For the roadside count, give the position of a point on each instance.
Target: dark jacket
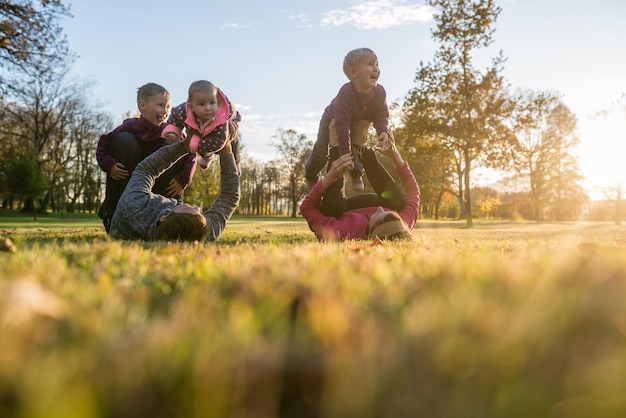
(149, 138)
(350, 106)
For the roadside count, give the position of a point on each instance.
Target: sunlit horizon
(601, 156)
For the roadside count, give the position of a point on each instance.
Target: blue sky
(280, 61)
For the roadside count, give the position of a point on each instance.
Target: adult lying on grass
(143, 215)
(387, 214)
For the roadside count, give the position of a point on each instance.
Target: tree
(432, 163)
(293, 151)
(453, 102)
(614, 192)
(542, 154)
(24, 178)
(567, 195)
(30, 35)
(80, 176)
(205, 186)
(614, 195)
(51, 118)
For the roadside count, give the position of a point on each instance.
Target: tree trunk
(468, 195)
(617, 217)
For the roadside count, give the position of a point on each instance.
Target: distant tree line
(456, 122)
(48, 127)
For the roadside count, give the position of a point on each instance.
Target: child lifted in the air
(209, 118)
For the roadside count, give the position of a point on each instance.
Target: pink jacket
(182, 117)
(353, 223)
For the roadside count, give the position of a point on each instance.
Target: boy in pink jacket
(392, 218)
(209, 118)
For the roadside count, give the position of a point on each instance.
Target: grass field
(502, 320)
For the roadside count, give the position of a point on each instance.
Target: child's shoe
(106, 216)
(204, 162)
(357, 184)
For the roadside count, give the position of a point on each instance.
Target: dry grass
(503, 320)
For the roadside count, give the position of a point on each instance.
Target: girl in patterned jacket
(209, 118)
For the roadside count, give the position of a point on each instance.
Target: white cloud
(301, 17)
(240, 106)
(304, 21)
(379, 14)
(234, 25)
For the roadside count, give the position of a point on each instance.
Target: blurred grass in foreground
(504, 320)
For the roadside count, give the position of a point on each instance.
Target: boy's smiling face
(156, 108)
(364, 75)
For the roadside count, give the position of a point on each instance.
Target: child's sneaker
(357, 184)
(204, 162)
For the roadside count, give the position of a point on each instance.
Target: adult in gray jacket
(143, 215)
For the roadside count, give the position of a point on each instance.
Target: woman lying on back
(387, 214)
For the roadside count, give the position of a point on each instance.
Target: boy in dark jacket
(120, 150)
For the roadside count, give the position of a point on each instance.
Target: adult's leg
(388, 193)
(319, 156)
(334, 200)
(125, 149)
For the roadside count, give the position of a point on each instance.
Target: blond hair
(353, 58)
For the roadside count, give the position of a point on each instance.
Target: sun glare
(602, 153)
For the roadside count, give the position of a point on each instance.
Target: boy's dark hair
(182, 227)
(201, 86)
(150, 89)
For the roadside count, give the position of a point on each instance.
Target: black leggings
(388, 193)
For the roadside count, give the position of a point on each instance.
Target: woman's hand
(388, 147)
(338, 168)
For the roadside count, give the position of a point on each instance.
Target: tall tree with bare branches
(31, 35)
(293, 151)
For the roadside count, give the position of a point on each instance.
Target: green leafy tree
(205, 186)
(24, 178)
(461, 107)
(431, 164)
